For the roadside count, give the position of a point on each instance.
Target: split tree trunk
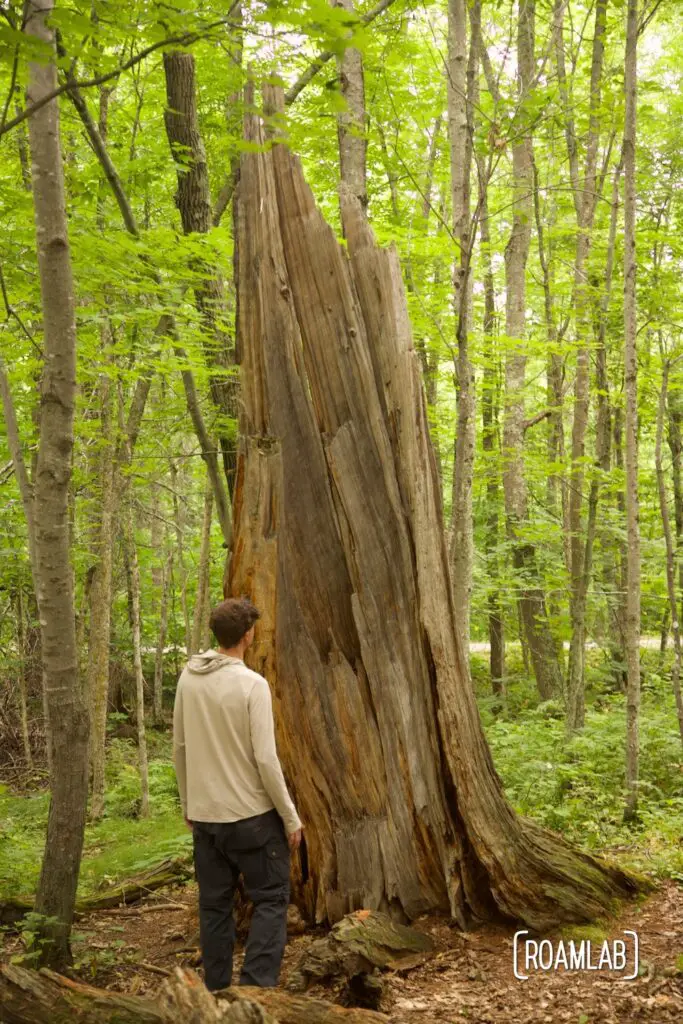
(540, 641)
(52, 567)
(339, 541)
(631, 417)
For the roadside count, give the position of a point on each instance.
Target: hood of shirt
(210, 661)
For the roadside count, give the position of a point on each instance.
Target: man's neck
(233, 652)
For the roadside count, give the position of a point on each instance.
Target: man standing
(235, 800)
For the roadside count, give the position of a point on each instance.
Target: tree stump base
(355, 948)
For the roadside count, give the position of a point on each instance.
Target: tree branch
(186, 39)
(322, 58)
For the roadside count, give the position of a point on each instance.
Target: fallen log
(43, 997)
(292, 1009)
(131, 890)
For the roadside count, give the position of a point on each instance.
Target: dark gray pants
(257, 849)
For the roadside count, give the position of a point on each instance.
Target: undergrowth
(575, 786)
(119, 845)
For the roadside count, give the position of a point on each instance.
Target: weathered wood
(340, 542)
(291, 1009)
(30, 997)
(356, 945)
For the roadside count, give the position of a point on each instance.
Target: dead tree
(340, 542)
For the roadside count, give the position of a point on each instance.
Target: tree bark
(351, 123)
(53, 575)
(671, 553)
(631, 416)
(534, 616)
(339, 541)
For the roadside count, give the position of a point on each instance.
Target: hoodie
(224, 749)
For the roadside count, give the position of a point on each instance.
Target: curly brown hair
(232, 619)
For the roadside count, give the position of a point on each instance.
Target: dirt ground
(468, 978)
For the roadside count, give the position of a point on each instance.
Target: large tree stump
(339, 540)
(42, 997)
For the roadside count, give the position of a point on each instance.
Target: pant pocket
(277, 861)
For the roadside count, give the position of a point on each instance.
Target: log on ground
(43, 997)
(168, 872)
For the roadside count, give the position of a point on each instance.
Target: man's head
(232, 623)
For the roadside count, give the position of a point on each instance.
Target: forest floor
(468, 977)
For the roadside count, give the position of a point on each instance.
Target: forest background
(492, 144)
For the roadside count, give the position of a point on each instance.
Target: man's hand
(188, 823)
(294, 839)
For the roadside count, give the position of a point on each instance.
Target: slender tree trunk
(675, 439)
(402, 805)
(193, 199)
(461, 83)
(618, 649)
(579, 543)
(491, 446)
(631, 418)
(21, 678)
(68, 719)
(26, 490)
(133, 573)
(100, 600)
(203, 576)
(671, 553)
(351, 123)
(166, 583)
(179, 523)
(541, 644)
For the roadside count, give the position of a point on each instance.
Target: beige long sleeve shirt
(224, 749)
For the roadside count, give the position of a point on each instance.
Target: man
(235, 800)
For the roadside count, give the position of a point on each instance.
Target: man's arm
(179, 749)
(265, 752)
